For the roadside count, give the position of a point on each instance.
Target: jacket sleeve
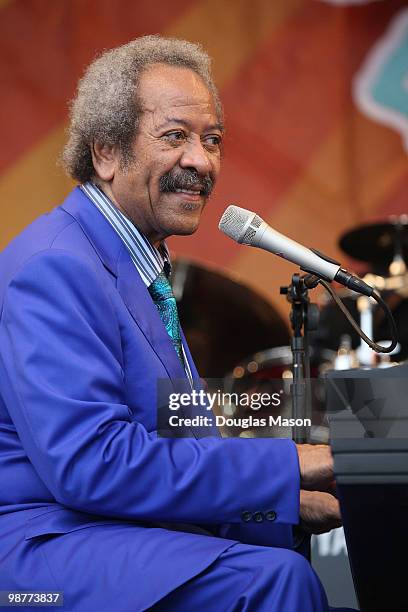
(62, 379)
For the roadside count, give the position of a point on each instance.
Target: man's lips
(192, 195)
(193, 190)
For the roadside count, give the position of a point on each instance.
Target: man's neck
(105, 187)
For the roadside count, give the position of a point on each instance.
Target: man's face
(176, 154)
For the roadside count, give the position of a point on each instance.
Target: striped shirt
(148, 260)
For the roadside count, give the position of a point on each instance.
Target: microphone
(247, 227)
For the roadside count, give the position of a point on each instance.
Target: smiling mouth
(190, 199)
(194, 192)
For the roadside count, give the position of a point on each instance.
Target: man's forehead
(163, 87)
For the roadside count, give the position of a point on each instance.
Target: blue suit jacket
(81, 348)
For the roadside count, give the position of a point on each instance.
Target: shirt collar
(149, 260)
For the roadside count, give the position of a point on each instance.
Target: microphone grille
(235, 219)
(251, 230)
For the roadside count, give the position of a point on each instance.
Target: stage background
(299, 148)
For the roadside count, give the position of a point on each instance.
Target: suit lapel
(140, 305)
(115, 257)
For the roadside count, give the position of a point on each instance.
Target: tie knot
(160, 289)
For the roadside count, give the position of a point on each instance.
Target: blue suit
(91, 501)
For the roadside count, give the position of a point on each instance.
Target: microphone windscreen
(234, 220)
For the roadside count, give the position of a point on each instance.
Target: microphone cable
(373, 345)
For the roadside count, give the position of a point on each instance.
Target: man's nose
(195, 156)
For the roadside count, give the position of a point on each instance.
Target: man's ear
(105, 160)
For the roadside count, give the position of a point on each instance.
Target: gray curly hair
(106, 108)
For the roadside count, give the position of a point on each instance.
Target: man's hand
(316, 467)
(319, 512)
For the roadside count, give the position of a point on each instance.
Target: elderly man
(93, 503)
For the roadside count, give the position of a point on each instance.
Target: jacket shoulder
(56, 230)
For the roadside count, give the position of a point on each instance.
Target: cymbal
(378, 243)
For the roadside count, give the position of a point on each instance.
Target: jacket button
(258, 517)
(246, 516)
(270, 515)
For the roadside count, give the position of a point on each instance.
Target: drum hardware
(365, 354)
(333, 327)
(394, 289)
(386, 310)
(224, 321)
(397, 267)
(383, 245)
(346, 358)
(396, 283)
(270, 371)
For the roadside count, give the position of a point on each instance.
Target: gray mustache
(186, 179)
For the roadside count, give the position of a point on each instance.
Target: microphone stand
(304, 316)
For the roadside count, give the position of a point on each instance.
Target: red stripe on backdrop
(44, 47)
(281, 108)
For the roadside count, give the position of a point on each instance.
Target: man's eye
(212, 140)
(175, 136)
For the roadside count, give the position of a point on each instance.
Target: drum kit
(239, 337)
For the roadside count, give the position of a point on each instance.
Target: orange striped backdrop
(298, 151)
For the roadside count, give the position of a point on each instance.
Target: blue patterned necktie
(162, 295)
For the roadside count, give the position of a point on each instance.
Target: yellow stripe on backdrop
(323, 203)
(34, 185)
(232, 30)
